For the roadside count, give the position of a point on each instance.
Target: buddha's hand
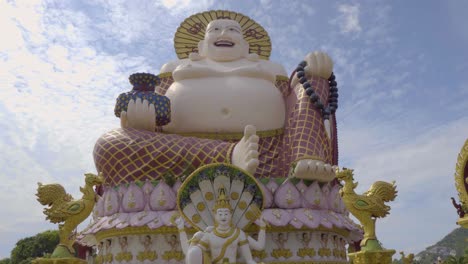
(245, 153)
(139, 115)
(319, 64)
(310, 169)
(261, 222)
(180, 223)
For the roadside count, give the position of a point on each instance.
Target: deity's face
(147, 239)
(223, 41)
(223, 217)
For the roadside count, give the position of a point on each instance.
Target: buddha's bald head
(223, 41)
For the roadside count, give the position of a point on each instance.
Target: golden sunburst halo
(192, 30)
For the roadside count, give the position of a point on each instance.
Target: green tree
(5, 261)
(455, 260)
(29, 248)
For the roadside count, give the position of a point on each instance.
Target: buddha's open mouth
(224, 43)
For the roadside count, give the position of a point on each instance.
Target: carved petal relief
(287, 196)
(111, 202)
(162, 198)
(133, 199)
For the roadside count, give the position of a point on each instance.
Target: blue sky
(401, 68)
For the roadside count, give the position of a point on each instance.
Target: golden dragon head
(344, 174)
(93, 179)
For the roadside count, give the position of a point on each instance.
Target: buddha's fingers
(131, 113)
(151, 118)
(249, 131)
(141, 112)
(252, 166)
(123, 119)
(251, 155)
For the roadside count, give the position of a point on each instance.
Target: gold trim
(463, 222)
(234, 195)
(201, 207)
(278, 77)
(209, 196)
(224, 235)
(242, 205)
(196, 218)
(231, 136)
(282, 78)
(165, 74)
(192, 30)
(243, 242)
(308, 262)
(144, 230)
(289, 228)
(309, 157)
(460, 180)
(225, 245)
(141, 230)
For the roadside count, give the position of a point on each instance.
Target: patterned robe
(126, 155)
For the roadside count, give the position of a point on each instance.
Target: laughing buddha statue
(228, 104)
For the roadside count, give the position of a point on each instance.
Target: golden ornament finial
(222, 201)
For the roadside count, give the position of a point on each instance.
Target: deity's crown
(222, 201)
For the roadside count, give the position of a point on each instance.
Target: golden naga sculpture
(62, 208)
(461, 183)
(367, 207)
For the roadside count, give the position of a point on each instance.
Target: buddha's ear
(201, 49)
(245, 47)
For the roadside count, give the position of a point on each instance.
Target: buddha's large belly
(224, 104)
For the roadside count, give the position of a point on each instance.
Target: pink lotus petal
(277, 217)
(287, 196)
(162, 197)
(166, 217)
(133, 199)
(155, 223)
(325, 221)
(267, 196)
(296, 223)
(310, 217)
(114, 220)
(335, 219)
(142, 218)
(98, 225)
(313, 196)
(111, 202)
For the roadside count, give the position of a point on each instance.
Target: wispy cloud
(422, 166)
(62, 64)
(348, 20)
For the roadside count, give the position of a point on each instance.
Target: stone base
(383, 256)
(59, 261)
(283, 245)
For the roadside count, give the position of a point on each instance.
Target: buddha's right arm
(183, 241)
(260, 243)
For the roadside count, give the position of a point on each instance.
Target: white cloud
(348, 21)
(62, 66)
(423, 167)
(57, 98)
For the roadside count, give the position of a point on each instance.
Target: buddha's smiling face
(223, 41)
(223, 217)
